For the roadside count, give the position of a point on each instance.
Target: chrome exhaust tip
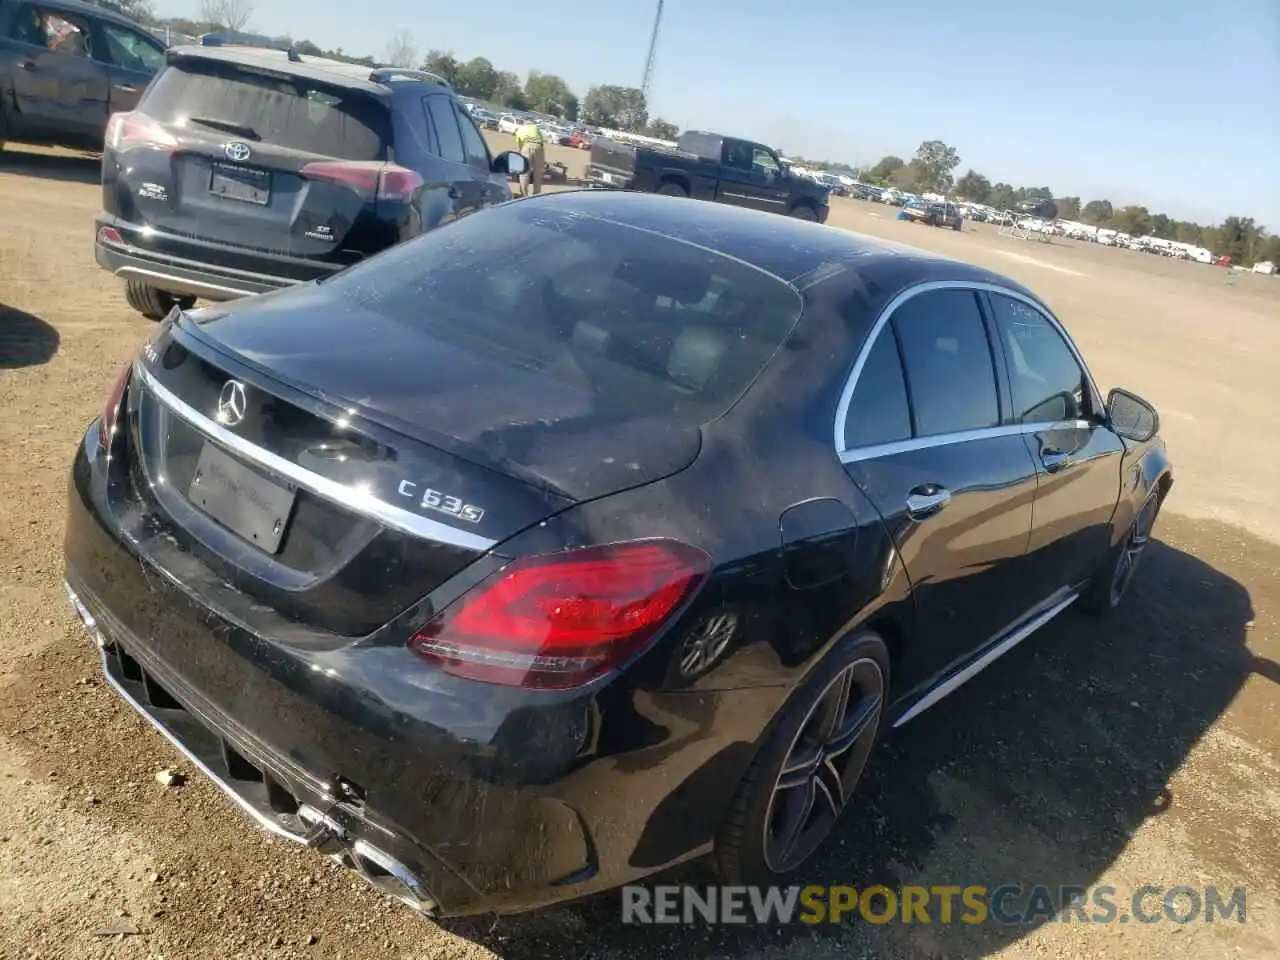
(379, 869)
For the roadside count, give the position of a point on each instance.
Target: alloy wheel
(823, 765)
(1131, 552)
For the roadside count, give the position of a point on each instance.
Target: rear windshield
(646, 324)
(288, 112)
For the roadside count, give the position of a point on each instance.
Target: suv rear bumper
(128, 259)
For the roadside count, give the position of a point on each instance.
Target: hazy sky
(1166, 103)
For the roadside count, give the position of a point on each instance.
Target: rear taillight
(111, 412)
(134, 129)
(383, 181)
(557, 621)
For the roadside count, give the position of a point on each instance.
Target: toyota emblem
(237, 151)
(232, 403)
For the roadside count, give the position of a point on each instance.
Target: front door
(60, 92)
(925, 440)
(1077, 457)
(746, 179)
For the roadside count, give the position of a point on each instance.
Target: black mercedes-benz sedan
(591, 534)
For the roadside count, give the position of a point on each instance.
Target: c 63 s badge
(441, 502)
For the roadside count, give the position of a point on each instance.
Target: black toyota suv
(248, 169)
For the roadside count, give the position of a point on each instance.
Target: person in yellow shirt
(530, 143)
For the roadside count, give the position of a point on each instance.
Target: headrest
(695, 357)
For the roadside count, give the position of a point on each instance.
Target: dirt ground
(1143, 752)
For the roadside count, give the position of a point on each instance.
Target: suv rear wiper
(229, 125)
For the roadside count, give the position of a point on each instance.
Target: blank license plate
(241, 499)
(240, 183)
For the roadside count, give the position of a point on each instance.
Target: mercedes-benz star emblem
(232, 403)
(237, 151)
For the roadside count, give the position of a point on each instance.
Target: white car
(508, 124)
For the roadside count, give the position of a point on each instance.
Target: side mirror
(511, 163)
(1132, 417)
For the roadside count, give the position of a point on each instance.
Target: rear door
(262, 161)
(456, 175)
(923, 437)
(131, 57)
(1077, 457)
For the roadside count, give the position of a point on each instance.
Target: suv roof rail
(217, 40)
(388, 74)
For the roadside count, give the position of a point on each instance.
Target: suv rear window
(289, 112)
(641, 323)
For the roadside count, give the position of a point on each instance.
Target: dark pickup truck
(65, 66)
(708, 166)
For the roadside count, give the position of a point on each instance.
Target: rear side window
(879, 411)
(130, 50)
(440, 110)
(285, 111)
(632, 321)
(950, 373)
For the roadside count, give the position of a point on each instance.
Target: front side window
(764, 160)
(473, 143)
(878, 411)
(130, 50)
(1048, 383)
(53, 31)
(950, 374)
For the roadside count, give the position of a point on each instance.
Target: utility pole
(653, 52)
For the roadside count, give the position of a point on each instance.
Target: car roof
(354, 76)
(793, 250)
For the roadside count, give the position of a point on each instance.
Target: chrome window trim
(365, 504)
(852, 454)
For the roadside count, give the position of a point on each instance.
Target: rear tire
(805, 212)
(152, 303)
(809, 766)
(670, 189)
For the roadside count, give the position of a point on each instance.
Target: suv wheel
(804, 212)
(152, 303)
(807, 771)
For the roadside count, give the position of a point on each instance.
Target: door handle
(1054, 460)
(126, 88)
(28, 65)
(926, 501)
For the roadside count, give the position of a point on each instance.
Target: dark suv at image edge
(249, 169)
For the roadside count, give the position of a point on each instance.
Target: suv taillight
(134, 129)
(557, 621)
(383, 181)
(111, 412)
